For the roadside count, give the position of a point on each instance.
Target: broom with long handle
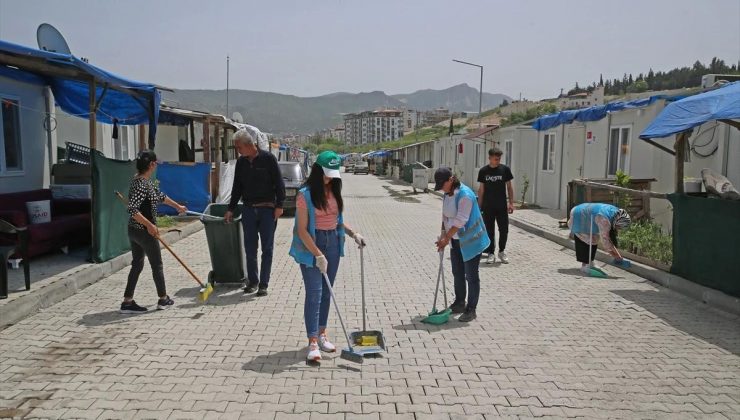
(205, 289)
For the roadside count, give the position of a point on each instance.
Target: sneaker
(132, 308)
(250, 288)
(262, 291)
(314, 355)
(503, 258)
(457, 307)
(326, 345)
(468, 316)
(491, 258)
(165, 303)
(586, 269)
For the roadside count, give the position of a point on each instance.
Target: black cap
(441, 176)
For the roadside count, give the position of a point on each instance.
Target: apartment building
(373, 126)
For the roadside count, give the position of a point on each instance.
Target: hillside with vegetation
(283, 114)
(678, 78)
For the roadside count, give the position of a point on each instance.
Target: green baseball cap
(330, 162)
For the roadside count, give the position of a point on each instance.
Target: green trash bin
(224, 244)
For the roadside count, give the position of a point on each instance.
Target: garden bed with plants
(648, 244)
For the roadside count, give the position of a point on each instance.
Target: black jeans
(582, 249)
(142, 243)
(259, 224)
(465, 274)
(500, 217)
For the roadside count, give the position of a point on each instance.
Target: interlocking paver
(547, 342)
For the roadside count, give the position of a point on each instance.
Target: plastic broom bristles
(205, 292)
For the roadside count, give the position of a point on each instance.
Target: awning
(594, 113)
(127, 101)
(719, 104)
(182, 117)
(481, 132)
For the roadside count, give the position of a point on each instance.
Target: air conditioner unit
(708, 80)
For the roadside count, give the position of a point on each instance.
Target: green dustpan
(597, 272)
(438, 317)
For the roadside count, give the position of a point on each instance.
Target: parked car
(294, 177)
(361, 168)
(349, 166)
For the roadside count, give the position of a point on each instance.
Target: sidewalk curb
(75, 280)
(685, 287)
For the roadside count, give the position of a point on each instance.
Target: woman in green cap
(318, 245)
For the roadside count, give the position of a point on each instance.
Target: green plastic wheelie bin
(224, 244)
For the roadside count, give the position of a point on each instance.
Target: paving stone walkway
(547, 342)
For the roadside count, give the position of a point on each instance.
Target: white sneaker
(491, 258)
(585, 269)
(314, 355)
(326, 345)
(503, 258)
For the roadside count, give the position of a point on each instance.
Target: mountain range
(281, 114)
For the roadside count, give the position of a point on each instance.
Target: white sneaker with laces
(314, 355)
(326, 345)
(503, 258)
(491, 258)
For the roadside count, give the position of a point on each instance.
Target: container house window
(11, 156)
(548, 152)
(619, 150)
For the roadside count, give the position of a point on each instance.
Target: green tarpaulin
(705, 232)
(110, 217)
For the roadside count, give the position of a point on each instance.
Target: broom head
(205, 292)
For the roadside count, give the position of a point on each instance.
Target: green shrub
(622, 200)
(645, 238)
(164, 222)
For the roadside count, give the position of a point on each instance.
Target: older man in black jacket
(259, 184)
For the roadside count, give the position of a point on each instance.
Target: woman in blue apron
(463, 229)
(318, 245)
(590, 222)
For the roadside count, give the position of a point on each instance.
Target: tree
(680, 77)
(638, 86)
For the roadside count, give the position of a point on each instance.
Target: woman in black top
(143, 199)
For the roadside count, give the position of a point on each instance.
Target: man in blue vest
(463, 229)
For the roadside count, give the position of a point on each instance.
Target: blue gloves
(623, 263)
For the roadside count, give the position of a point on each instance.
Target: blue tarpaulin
(593, 113)
(377, 154)
(139, 104)
(185, 183)
(719, 104)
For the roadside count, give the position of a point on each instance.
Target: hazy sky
(310, 48)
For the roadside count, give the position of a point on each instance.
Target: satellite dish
(50, 39)
(236, 116)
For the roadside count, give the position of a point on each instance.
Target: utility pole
(227, 87)
(480, 92)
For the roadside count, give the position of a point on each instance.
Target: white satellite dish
(236, 116)
(50, 39)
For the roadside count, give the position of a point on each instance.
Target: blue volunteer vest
(584, 214)
(473, 237)
(298, 250)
